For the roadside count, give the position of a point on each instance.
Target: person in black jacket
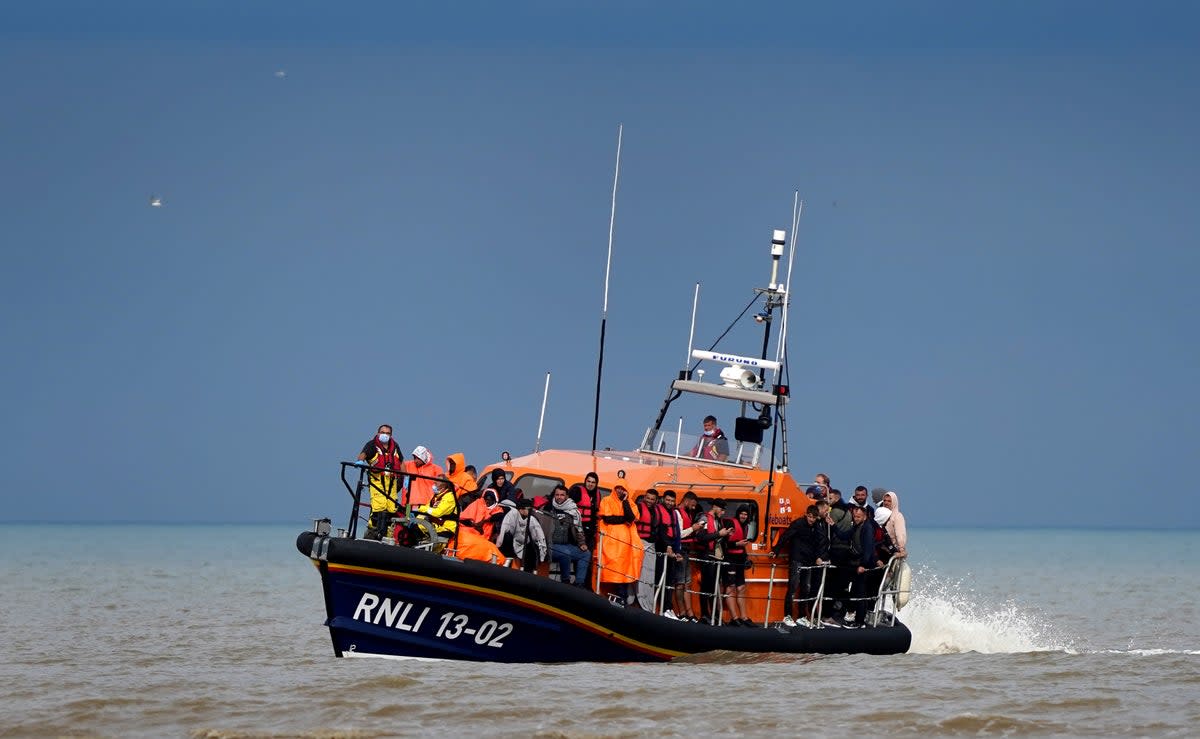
(863, 563)
(807, 545)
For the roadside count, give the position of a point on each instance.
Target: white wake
(945, 618)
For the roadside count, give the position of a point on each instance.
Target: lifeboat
(408, 596)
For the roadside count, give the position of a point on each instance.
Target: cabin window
(536, 485)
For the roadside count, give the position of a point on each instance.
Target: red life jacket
(584, 504)
(736, 535)
(712, 524)
(689, 541)
(646, 521)
(387, 458)
(672, 525)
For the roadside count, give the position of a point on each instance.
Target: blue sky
(995, 281)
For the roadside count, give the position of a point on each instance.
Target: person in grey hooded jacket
(520, 536)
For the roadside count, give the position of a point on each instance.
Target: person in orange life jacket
(650, 520)
(619, 550)
(483, 513)
(863, 561)
(420, 489)
(520, 536)
(712, 536)
(735, 574)
(474, 545)
(504, 489)
(807, 546)
(386, 460)
(681, 537)
(567, 545)
(442, 510)
(713, 444)
(464, 481)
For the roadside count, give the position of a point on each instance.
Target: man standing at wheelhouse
(383, 456)
(713, 444)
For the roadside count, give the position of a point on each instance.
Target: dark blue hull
(400, 602)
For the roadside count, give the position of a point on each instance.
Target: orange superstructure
(774, 500)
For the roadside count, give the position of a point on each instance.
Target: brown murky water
(217, 631)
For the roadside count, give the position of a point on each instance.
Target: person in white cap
(420, 489)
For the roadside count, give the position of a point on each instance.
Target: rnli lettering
(375, 610)
(403, 615)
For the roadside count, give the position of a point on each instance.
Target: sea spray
(949, 617)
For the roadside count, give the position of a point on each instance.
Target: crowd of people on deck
(646, 548)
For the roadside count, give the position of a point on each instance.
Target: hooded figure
(420, 490)
(484, 512)
(457, 473)
(895, 524)
(474, 545)
(620, 549)
(521, 532)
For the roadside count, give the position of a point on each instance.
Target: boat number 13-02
(489, 632)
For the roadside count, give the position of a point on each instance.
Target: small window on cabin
(533, 486)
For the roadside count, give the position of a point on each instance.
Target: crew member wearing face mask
(385, 459)
(713, 445)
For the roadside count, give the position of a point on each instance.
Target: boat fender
(320, 548)
(903, 584)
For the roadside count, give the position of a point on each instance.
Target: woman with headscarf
(895, 524)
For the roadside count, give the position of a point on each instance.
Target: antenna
(537, 445)
(692, 333)
(612, 219)
(797, 211)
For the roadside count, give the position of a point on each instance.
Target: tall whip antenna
(537, 445)
(797, 211)
(612, 219)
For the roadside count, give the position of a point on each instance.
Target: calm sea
(216, 631)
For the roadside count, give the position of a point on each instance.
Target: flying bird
(155, 201)
(281, 73)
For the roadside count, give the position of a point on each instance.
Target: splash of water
(948, 618)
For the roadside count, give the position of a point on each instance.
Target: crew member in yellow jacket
(442, 510)
(620, 550)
